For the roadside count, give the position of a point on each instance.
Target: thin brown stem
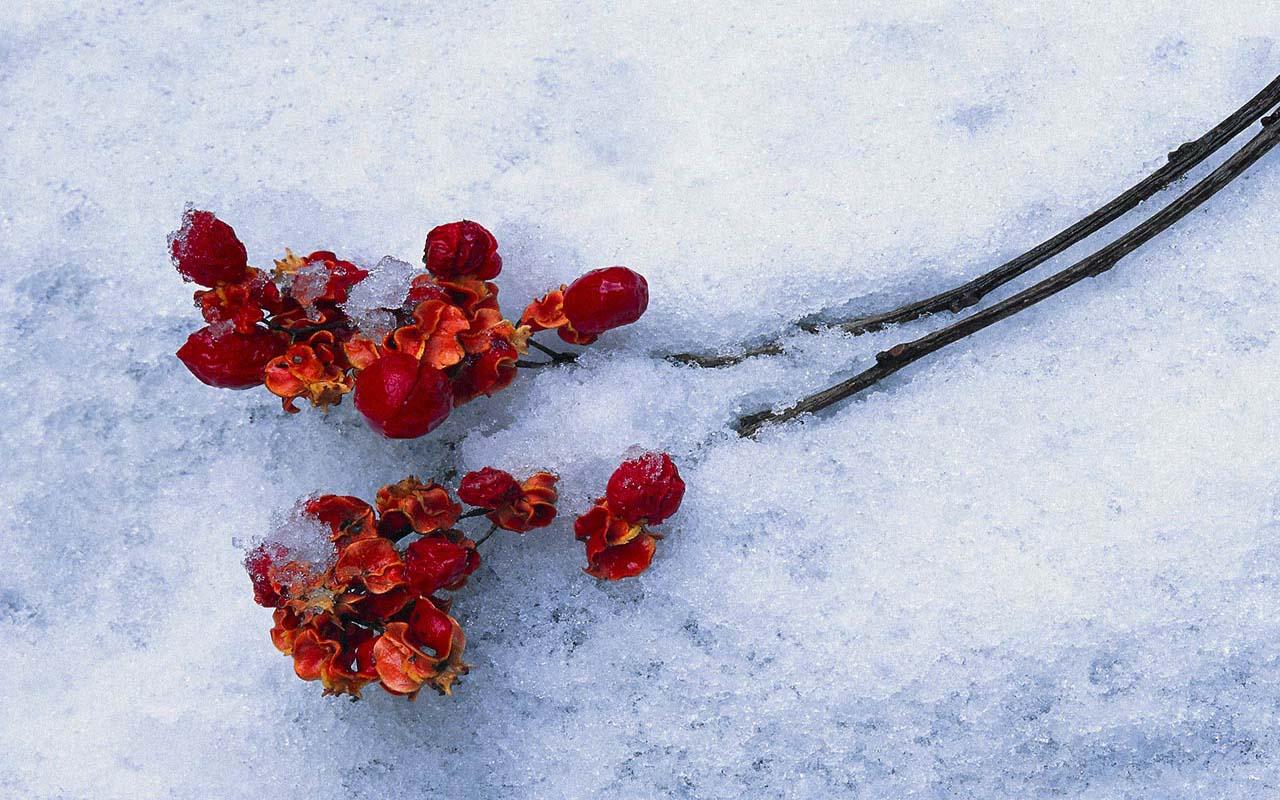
(309, 329)
(475, 512)
(1180, 161)
(555, 355)
(899, 356)
(489, 533)
(522, 364)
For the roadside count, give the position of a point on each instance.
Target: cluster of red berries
(358, 597)
(359, 591)
(449, 343)
(364, 603)
(641, 492)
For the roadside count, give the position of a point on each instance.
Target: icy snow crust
(1045, 563)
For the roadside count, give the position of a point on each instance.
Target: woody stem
(475, 512)
(555, 355)
(310, 329)
(484, 538)
(899, 356)
(956, 299)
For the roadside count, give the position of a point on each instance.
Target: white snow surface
(1043, 563)
(295, 537)
(384, 288)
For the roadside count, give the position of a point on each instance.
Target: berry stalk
(1180, 161)
(901, 355)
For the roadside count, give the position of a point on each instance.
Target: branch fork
(1181, 160)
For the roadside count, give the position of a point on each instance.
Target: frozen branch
(899, 356)
(1180, 161)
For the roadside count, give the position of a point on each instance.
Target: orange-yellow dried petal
(546, 312)
(404, 668)
(284, 630)
(374, 562)
(427, 506)
(534, 508)
(361, 351)
(349, 518)
(433, 338)
(311, 369)
(310, 652)
(472, 295)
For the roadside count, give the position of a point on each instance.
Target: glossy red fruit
(364, 658)
(487, 373)
(462, 250)
(489, 488)
(342, 275)
(647, 488)
(439, 562)
(401, 397)
(424, 288)
(604, 299)
(625, 560)
(259, 563)
(206, 250)
(231, 360)
(431, 628)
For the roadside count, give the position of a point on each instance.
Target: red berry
(462, 250)
(231, 360)
(424, 288)
(364, 657)
(648, 488)
(381, 607)
(205, 250)
(604, 299)
(487, 373)
(342, 275)
(437, 562)
(259, 564)
(489, 488)
(431, 628)
(401, 397)
(624, 560)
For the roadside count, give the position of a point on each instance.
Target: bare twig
(899, 356)
(294, 333)
(555, 355)
(488, 533)
(1180, 161)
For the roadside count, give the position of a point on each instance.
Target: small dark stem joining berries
(899, 356)
(308, 330)
(1180, 161)
(450, 343)
(490, 532)
(378, 613)
(555, 355)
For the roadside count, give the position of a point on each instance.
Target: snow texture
(295, 537)
(383, 289)
(1045, 562)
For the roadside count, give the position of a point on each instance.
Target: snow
(384, 288)
(308, 284)
(1041, 563)
(295, 537)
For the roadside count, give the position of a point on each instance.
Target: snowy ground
(1044, 563)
